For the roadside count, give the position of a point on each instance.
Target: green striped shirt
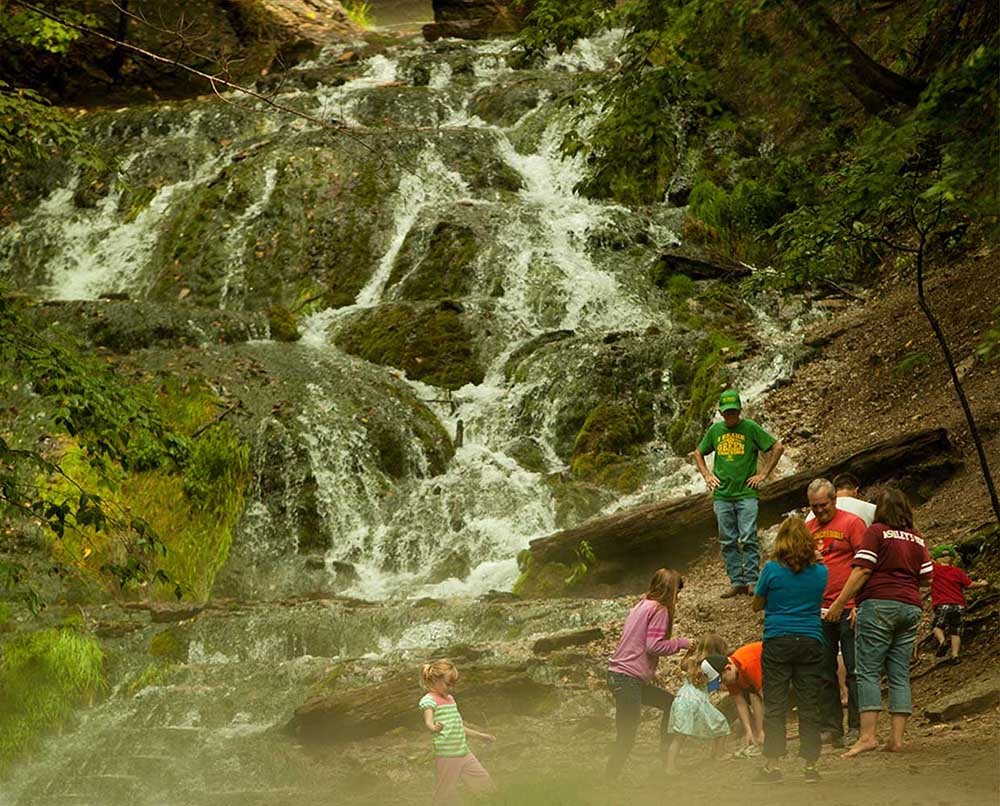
(450, 741)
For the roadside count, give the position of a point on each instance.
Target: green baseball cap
(944, 550)
(730, 399)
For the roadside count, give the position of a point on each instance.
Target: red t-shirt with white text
(838, 541)
(948, 585)
(898, 560)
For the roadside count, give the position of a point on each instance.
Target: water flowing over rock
(432, 253)
(439, 237)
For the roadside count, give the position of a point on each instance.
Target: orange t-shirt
(748, 660)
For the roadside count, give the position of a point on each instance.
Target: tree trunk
(631, 544)
(118, 56)
(875, 86)
(963, 401)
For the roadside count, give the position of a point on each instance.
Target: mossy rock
(429, 343)
(529, 454)
(436, 266)
(282, 324)
(575, 501)
(529, 347)
(169, 645)
(400, 105)
(543, 580)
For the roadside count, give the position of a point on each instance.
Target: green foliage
(926, 172)
(911, 363)
(989, 347)
(560, 23)
(44, 677)
(739, 217)
(792, 173)
(360, 13)
(585, 559)
(30, 127)
(84, 400)
(28, 28)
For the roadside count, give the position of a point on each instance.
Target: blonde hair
(441, 669)
(709, 644)
(794, 546)
(663, 589)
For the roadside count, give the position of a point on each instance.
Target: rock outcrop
(357, 713)
(234, 39)
(475, 19)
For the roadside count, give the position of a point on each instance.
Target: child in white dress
(692, 713)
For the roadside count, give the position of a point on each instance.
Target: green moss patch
(440, 269)
(45, 676)
(429, 344)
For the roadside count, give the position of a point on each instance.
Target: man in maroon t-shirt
(838, 536)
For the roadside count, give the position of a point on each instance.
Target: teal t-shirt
(793, 600)
(736, 452)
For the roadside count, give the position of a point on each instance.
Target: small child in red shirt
(948, 599)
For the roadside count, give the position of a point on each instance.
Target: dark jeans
(630, 695)
(839, 637)
(795, 660)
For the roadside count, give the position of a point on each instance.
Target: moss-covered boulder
(430, 343)
(435, 265)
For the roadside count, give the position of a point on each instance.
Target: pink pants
(454, 771)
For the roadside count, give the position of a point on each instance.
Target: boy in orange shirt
(742, 675)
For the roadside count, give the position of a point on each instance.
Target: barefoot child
(948, 599)
(454, 764)
(692, 713)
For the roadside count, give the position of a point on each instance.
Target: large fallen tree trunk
(484, 691)
(629, 545)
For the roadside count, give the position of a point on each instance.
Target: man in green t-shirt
(734, 481)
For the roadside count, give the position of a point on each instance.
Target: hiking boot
(811, 774)
(766, 775)
(736, 590)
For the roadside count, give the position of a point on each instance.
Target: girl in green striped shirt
(454, 764)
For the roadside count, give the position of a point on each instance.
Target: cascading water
(396, 515)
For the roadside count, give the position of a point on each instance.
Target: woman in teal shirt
(790, 592)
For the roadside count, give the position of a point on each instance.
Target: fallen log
(629, 545)
(484, 691)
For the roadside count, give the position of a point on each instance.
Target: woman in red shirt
(889, 569)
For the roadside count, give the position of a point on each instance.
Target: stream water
(209, 731)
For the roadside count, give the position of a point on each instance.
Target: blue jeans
(738, 539)
(883, 637)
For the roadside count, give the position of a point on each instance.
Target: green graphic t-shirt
(450, 741)
(736, 452)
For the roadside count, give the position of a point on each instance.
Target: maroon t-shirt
(948, 585)
(898, 560)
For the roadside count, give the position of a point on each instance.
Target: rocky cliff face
(475, 19)
(235, 39)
